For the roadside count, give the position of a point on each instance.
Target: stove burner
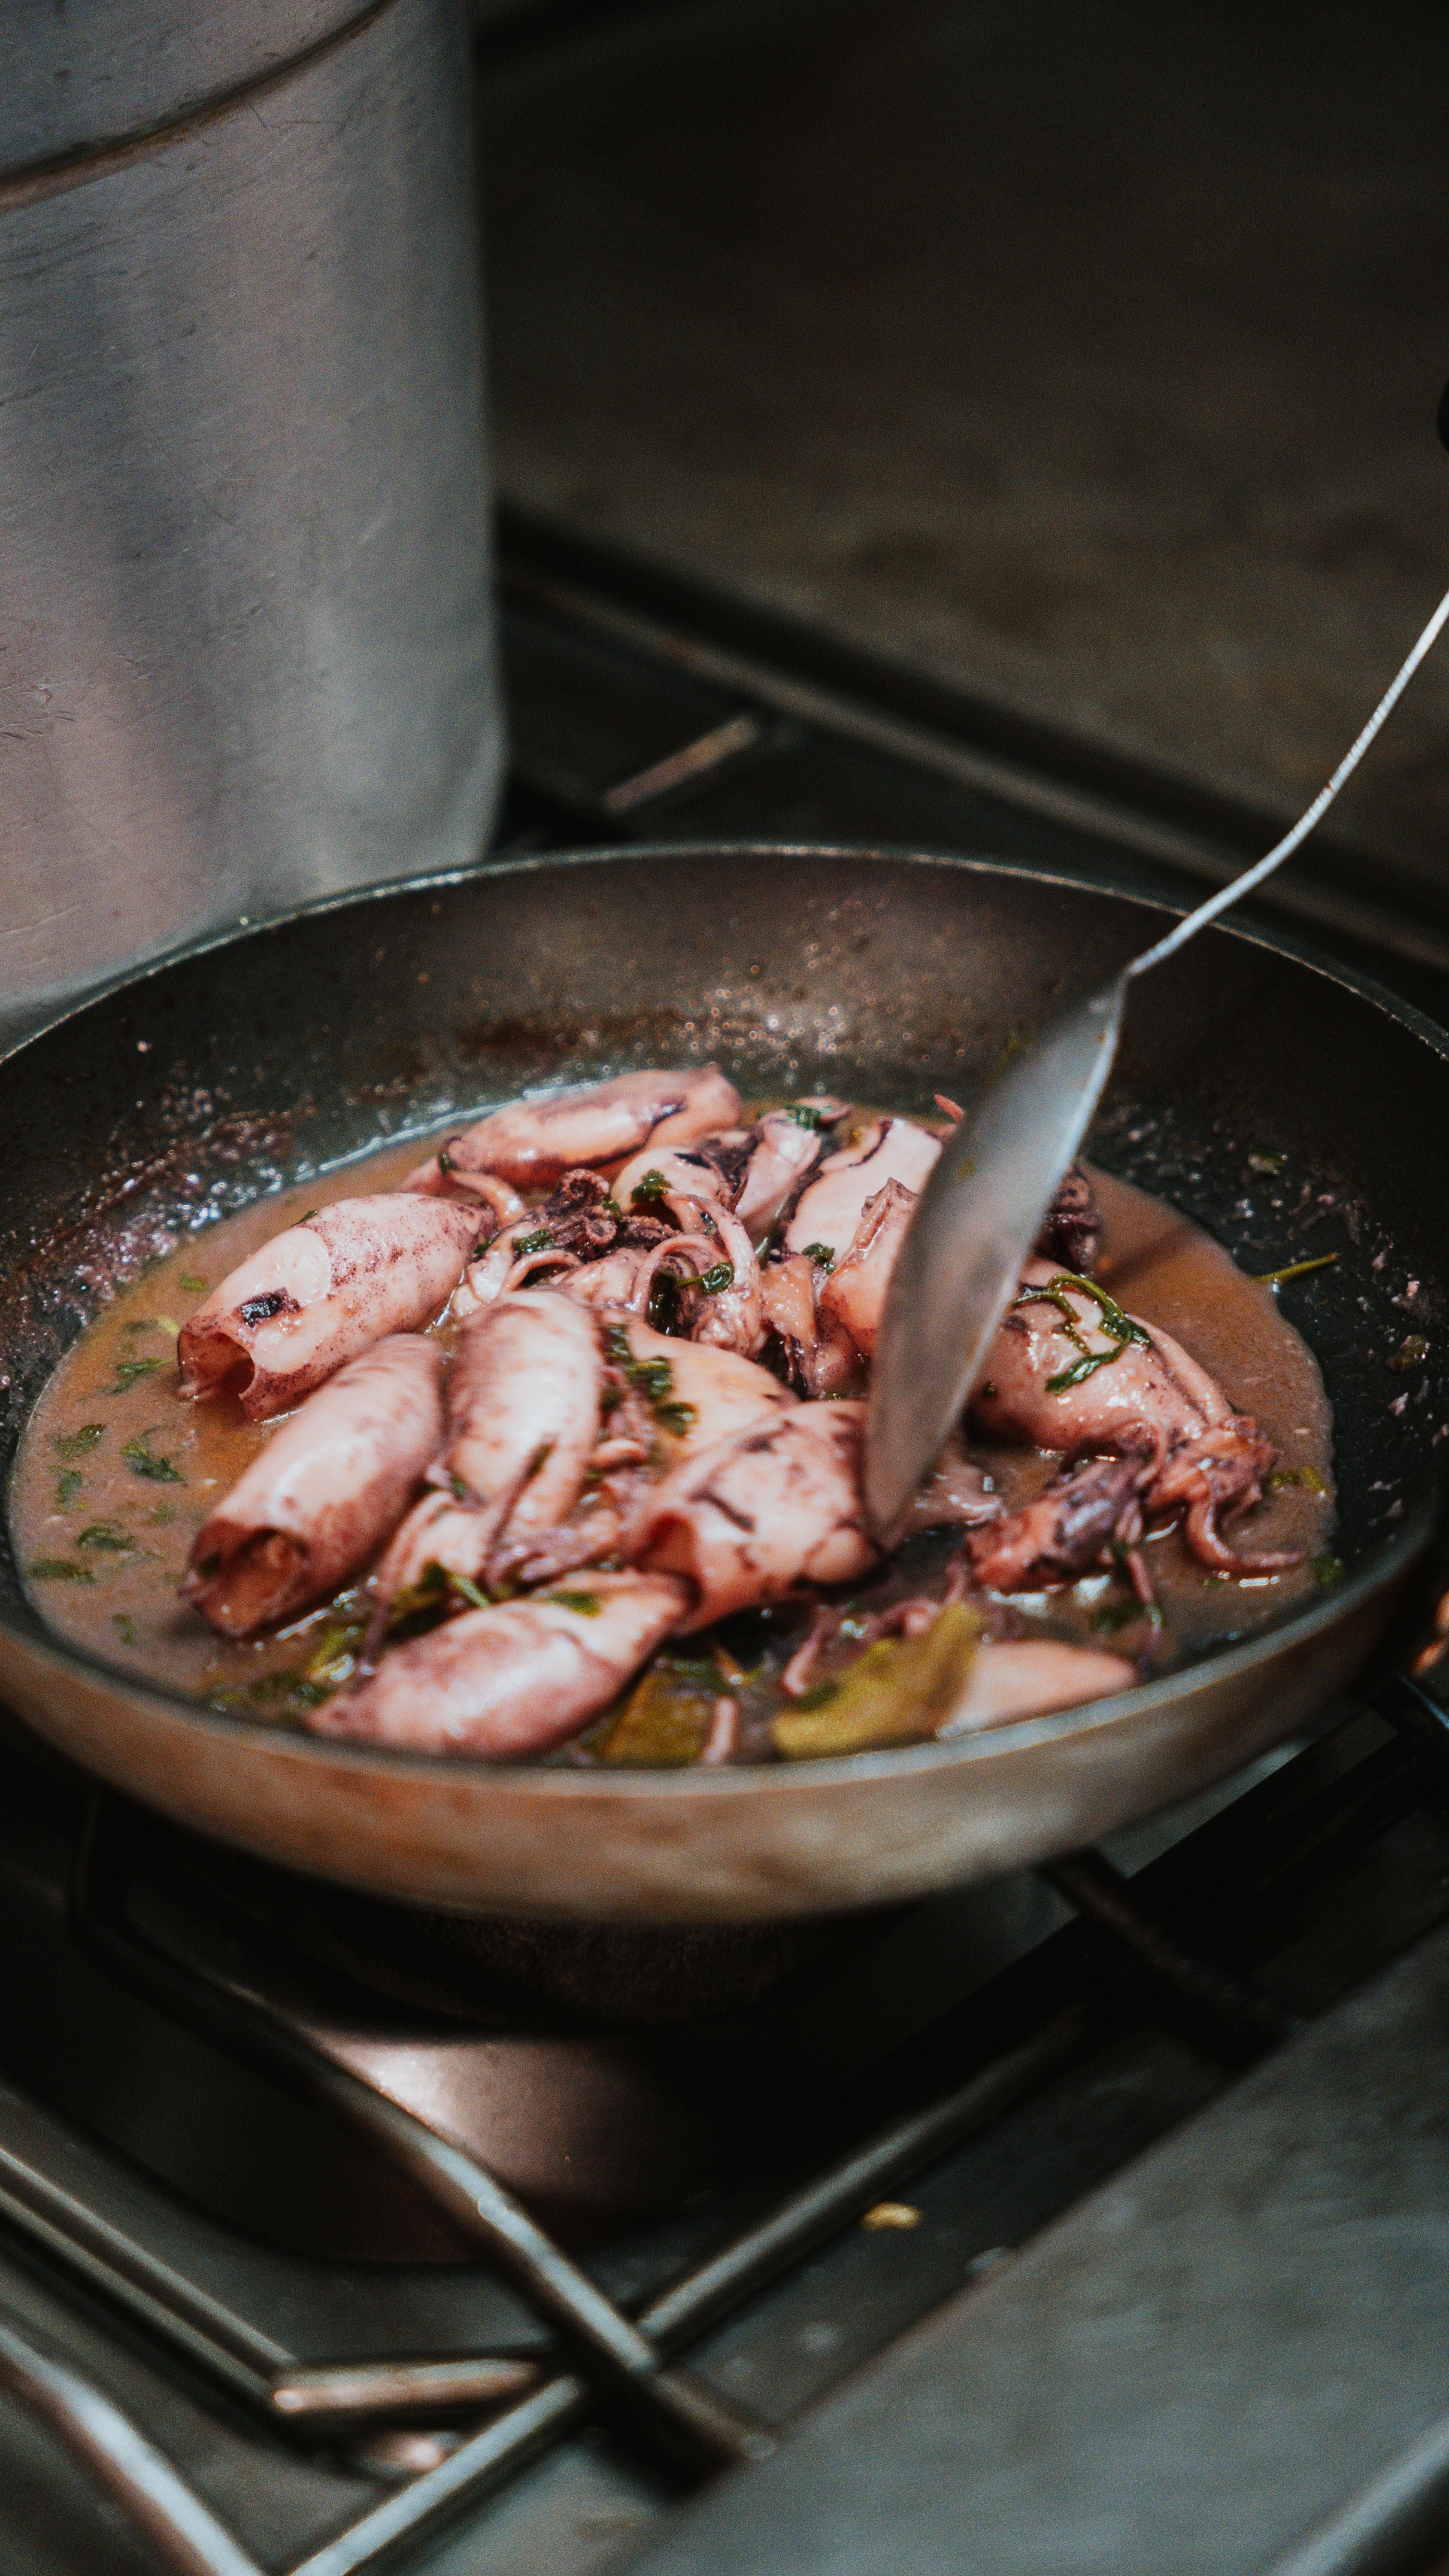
(494, 1968)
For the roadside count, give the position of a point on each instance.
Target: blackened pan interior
(1290, 1108)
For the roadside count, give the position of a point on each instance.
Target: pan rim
(1393, 1560)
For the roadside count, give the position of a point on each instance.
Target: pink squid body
(832, 1207)
(533, 1142)
(1155, 1386)
(1151, 1404)
(775, 1504)
(784, 1151)
(855, 1292)
(324, 1493)
(1030, 1678)
(320, 1294)
(820, 1354)
(722, 1390)
(513, 1680)
(523, 1416)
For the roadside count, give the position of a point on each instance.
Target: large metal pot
(246, 643)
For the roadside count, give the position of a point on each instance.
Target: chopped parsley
(653, 1379)
(587, 1604)
(67, 1486)
(151, 1463)
(127, 1372)
(105, 1537)
(721, 1275)
(821, 1254)
(125, 1627)
(192, 1280)
(1306, 1476)
(804, 1116)
(539, 1241)
(1120, 1328)
(60, 1569)
(77, 1444)
(650, 1185)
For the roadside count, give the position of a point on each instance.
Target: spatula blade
(960, 1262)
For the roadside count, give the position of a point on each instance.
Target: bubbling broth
(119, 1469)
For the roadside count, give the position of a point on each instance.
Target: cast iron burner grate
(1129, 1951)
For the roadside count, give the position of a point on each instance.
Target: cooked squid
(1149, 1430)
(324, 1493)
(855, 1292)
(532, 1143)
(672, 1400)
(829, 1211)
(771, 1507)
(817, 1353)
(321, 1293)
(523, 1418)
(567, 1485)
(514, 1679)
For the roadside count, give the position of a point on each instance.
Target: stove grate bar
(818, 2208)
(116, 2454)
(694, 2427)
(1240, 2021)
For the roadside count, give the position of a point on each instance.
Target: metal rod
(1243, 2020)
(1416, 1713)
(681, 768)
(358, 2390)
(695, 2427)
(119, 2458)
(1284, 849)
(820, 2208)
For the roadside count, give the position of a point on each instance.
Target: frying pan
(1252, 1074)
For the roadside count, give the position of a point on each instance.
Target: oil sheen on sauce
(118, 1469)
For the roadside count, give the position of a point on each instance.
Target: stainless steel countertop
(1085, 358)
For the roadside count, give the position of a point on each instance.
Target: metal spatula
(980, 1210)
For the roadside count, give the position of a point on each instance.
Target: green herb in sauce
(107, 1539)
(128, 1371)
(77, 1444)
(151, 1463)
(1295, 1270)
(653, 1379)
(1307, 1478)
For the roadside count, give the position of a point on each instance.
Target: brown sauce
(117, 1469)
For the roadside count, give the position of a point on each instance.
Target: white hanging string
(1293, 840)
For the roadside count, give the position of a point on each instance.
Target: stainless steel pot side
(884, 975)
(246, 655)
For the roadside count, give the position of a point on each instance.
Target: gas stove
(1094, 2219)
(490, 2247)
